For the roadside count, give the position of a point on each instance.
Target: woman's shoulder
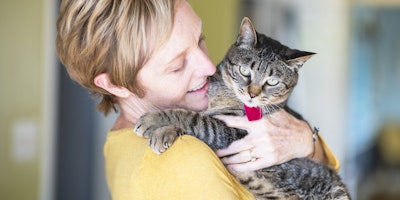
(186, 150)
(183, 145)
(187, 170)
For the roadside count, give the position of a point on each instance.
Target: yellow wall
(21, 75)
(220, 24)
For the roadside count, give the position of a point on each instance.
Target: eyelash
(180, 68)
(202, 38)
(176, 70)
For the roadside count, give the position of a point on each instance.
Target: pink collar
(253, 113)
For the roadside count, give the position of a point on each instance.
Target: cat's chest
(221, 96)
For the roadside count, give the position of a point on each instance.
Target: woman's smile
(203, 87)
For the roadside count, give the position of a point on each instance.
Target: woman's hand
(272, 140)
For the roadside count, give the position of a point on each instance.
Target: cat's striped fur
(257, 71)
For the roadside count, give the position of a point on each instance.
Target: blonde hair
(116, 37)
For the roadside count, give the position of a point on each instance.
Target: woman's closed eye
(179, 67)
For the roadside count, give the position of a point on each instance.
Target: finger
(279, 117)
(242, 157)
(280, 112)
(234, 121)
(259, 163)
(247, 166)
(235, 148)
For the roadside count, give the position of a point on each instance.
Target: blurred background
(51, 135)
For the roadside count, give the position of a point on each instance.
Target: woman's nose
(204, 65)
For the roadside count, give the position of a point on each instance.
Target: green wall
(220, 24)
(22, 84)
(21, 76)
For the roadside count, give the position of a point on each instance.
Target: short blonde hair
(116, 37)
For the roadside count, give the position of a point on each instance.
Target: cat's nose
(254, 91)
(252, 95)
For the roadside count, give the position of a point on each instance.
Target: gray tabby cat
(259, 72)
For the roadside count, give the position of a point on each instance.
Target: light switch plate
(24, 140)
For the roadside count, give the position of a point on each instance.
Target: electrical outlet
(24, 140)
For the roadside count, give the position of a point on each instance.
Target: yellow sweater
(187, 170)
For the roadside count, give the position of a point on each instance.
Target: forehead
(185, 34)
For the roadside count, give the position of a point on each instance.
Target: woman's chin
(199, 104)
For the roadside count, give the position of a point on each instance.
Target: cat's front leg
(162, 138)
(147, 124)
(164, 126)
(159, 129)
(226, 110)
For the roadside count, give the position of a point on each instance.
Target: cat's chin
(248, 103)
(251, 105)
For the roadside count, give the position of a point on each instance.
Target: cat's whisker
(271, 108)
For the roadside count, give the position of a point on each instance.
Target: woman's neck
(123, 122)
(131, 110)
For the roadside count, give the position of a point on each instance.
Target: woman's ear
(103, 81)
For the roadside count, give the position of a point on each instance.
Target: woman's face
(176, 75)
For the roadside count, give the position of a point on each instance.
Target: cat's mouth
(199, 87)
(251, 102)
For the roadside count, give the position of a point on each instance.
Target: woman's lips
(203, 86)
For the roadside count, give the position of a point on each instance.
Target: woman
(146, 55)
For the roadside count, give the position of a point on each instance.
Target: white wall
(324, 30)
(320, 27)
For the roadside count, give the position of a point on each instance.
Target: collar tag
(253, 113)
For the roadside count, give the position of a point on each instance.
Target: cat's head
(261, 70)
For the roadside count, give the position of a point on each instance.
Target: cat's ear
(299, 58)
(247, 34)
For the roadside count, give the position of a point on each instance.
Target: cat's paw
(147, 124)
(162, 138)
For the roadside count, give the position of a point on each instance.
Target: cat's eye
(245, 71)
(272, 81)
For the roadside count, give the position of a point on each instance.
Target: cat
(258, 72)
